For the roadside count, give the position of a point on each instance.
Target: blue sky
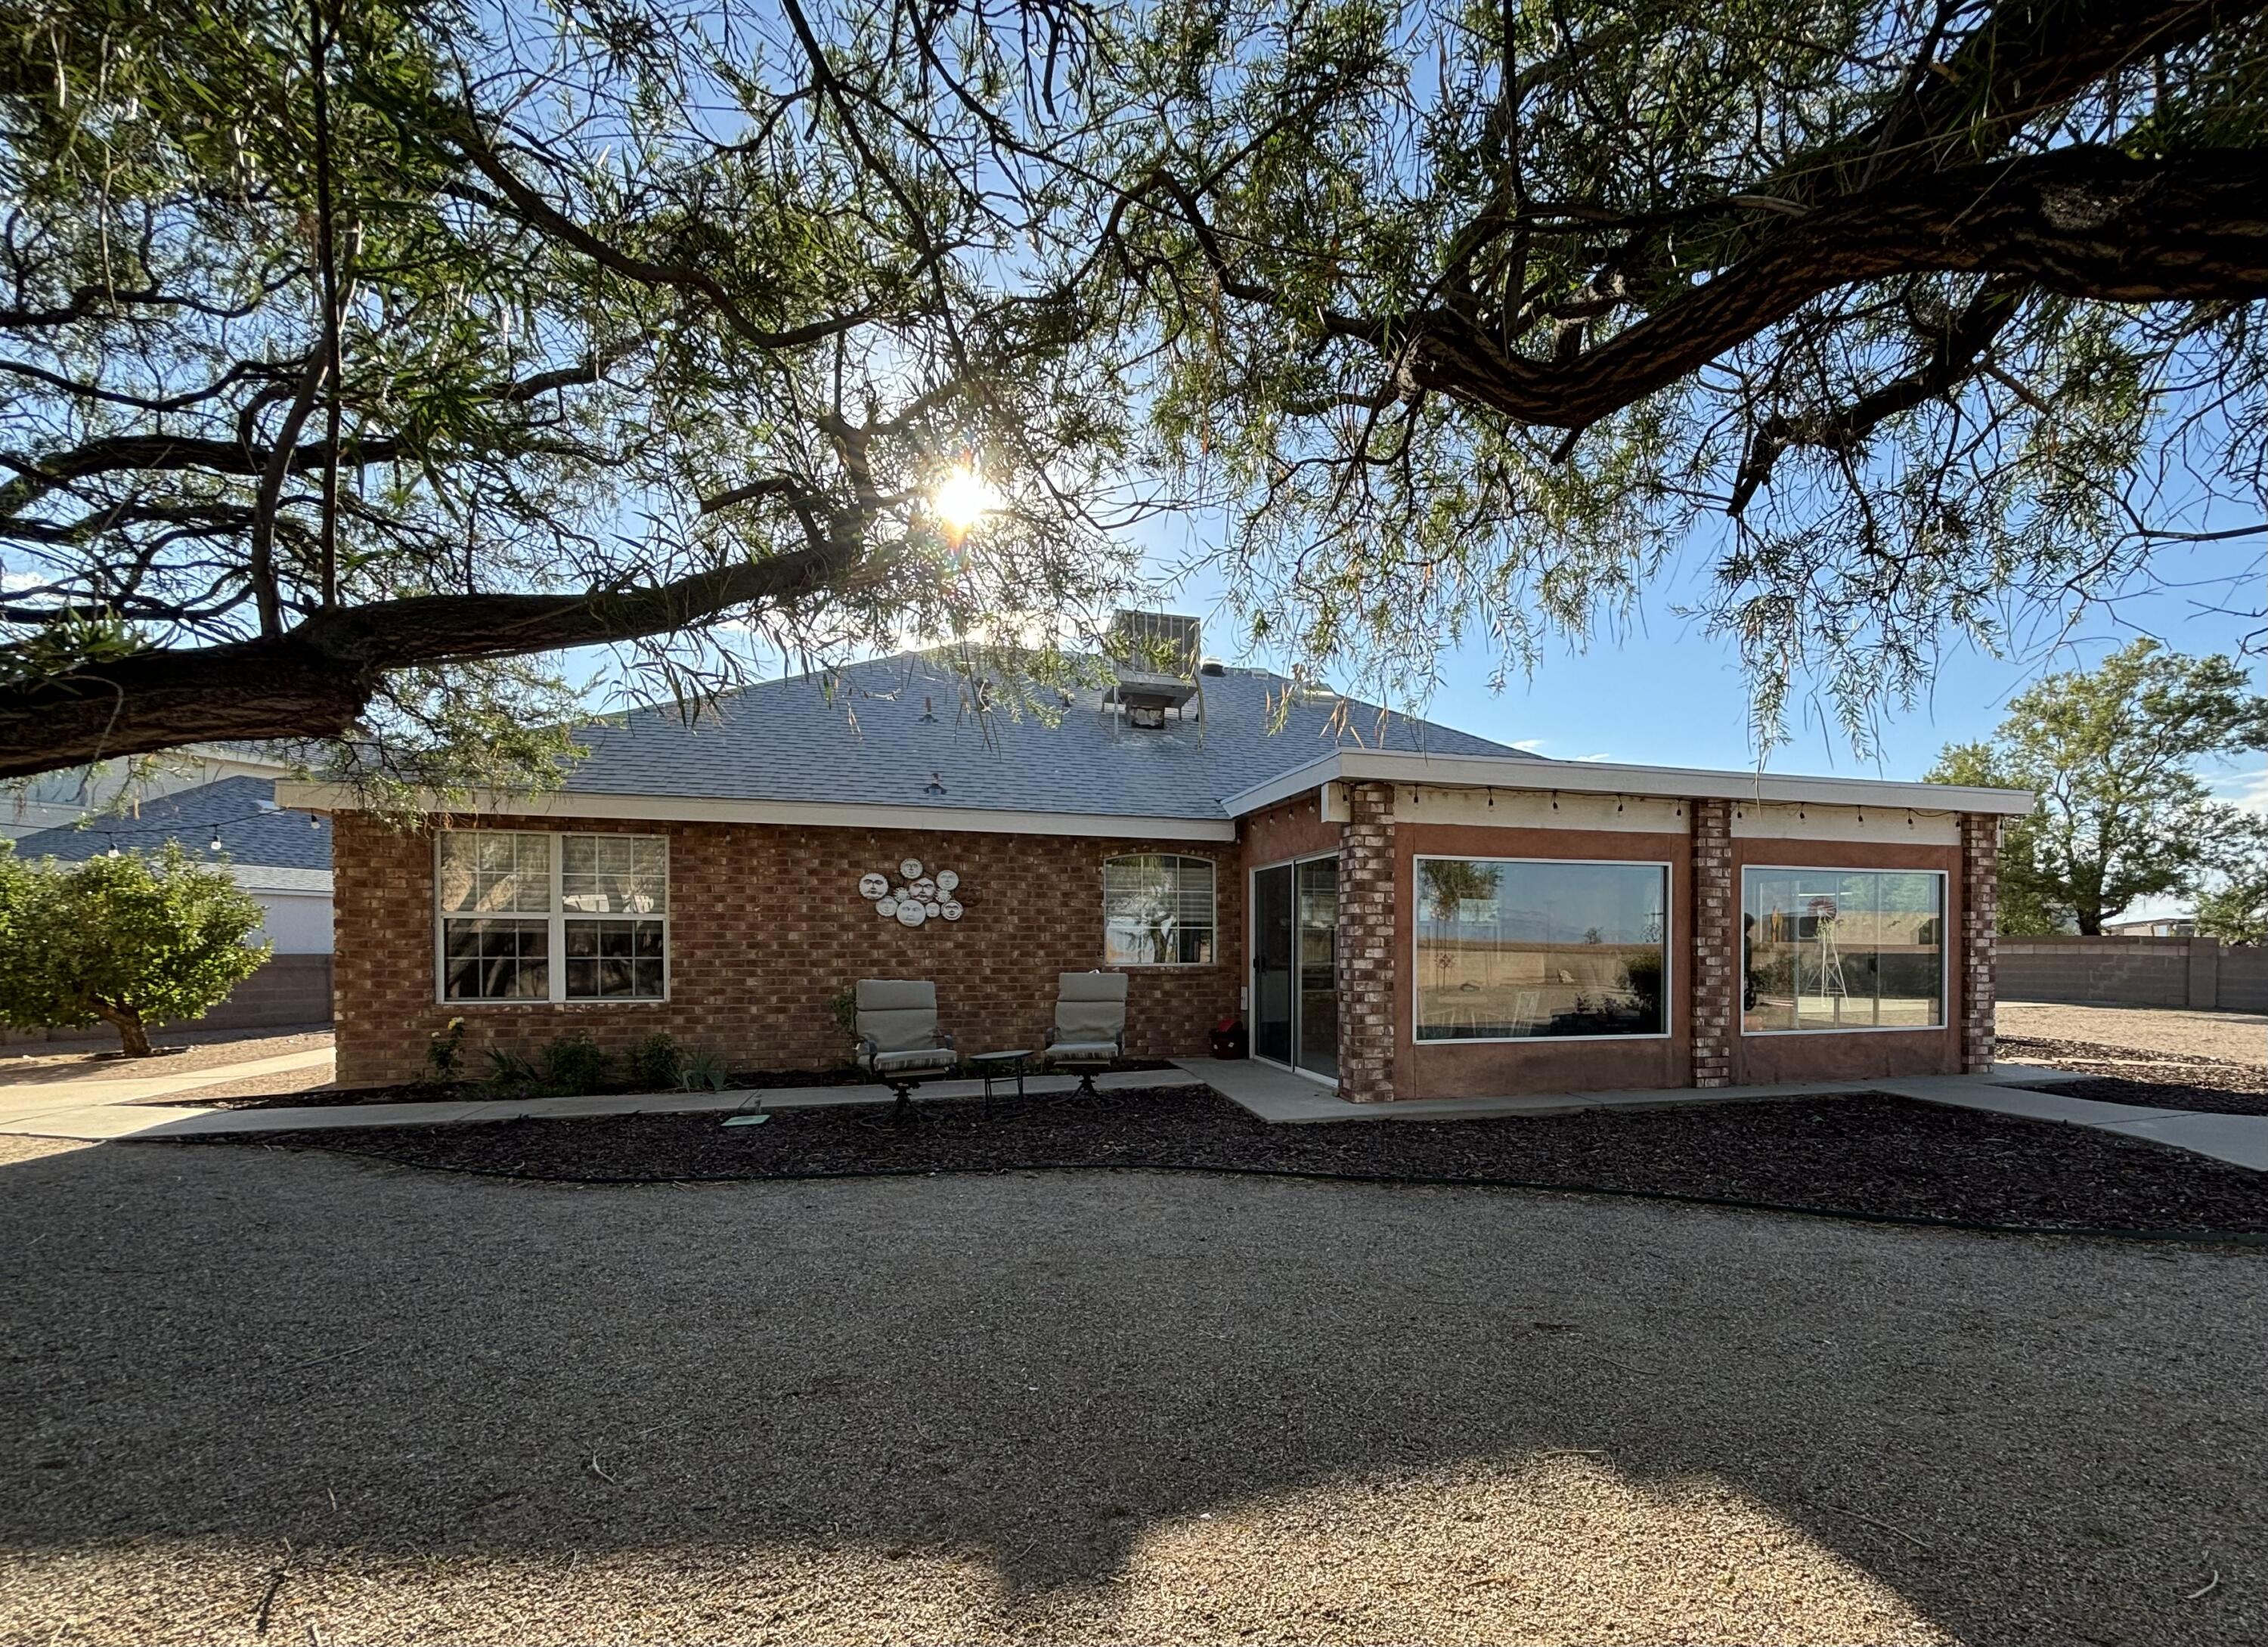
(1665, 693)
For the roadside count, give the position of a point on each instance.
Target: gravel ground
(1869, 1155)
(2119, 1075)
(1126, 1406)
(40, 1062)
(2228, 1037)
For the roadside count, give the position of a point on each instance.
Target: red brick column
(1368, 972)
(1980, 912)
(1716, 963)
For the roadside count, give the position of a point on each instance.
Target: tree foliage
(350, 351)
(2112, 752)
(1946, 313)
(356, 358)
(127, 941)
(2232, 901)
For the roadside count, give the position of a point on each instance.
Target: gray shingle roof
(879, 733)
(249, 833)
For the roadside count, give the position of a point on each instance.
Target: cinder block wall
(766, 926)
(2166, 972)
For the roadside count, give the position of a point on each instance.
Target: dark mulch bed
(1873, 1155)
(475, 1091)
(2121, 1074)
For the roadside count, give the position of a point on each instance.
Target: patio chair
(899, 1043)
(1089, 1034)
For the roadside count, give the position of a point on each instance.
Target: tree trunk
(2090, 923)
(133, 1038)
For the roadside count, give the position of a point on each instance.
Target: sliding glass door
(1295, 1001)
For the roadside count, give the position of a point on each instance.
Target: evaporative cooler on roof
(1154, 655)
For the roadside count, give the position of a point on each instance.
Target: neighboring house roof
(241, 812)
(881, 733)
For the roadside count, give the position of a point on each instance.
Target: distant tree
(2233, 903)
(126, 941)
(2111, 753)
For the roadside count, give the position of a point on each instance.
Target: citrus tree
(127, 941)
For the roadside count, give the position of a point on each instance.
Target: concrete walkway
(22, 1101)
(1277, 1095)
(82, 1109)
(123, 1119)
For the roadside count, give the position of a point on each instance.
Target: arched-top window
(1157, 911)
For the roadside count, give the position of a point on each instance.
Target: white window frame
(1944, 953)
(557, 918)
(1668, 953)
(1212, 868)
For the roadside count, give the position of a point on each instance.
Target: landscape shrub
(575, 1064)
(128, 940)
(654, 1063)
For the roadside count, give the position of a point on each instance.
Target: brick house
(1403, 908)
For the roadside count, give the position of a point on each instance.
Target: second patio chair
(1089, 1034)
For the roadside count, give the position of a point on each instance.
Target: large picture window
(527, 916)
(1838, 948)
(1157, 911)
(1517, 948)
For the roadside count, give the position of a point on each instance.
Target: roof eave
(1600, 777)
(573, 804)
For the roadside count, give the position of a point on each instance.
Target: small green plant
(844, 1009)
(704, 1068)
(445, 1052)
(575, 1064)
(511, 1075)
(654, 1063)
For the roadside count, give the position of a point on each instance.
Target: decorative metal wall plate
(918, 900)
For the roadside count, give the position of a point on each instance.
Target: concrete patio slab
(1277, 1095)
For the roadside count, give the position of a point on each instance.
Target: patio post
(1980, 909)
(1714, 927)
(1368, 972)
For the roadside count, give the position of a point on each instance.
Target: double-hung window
(1157, 911)
(528, 917)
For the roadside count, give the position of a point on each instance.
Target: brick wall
(1367, 972)
(765, 928)
(1980, 909)
(1713, 925)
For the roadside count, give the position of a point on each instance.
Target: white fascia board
(1600, 777)
(324, 798)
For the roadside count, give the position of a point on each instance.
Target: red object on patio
(1228, 1037)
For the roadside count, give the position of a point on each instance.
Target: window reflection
(1518, 949)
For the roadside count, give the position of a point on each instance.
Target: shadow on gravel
(2031, 1439)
